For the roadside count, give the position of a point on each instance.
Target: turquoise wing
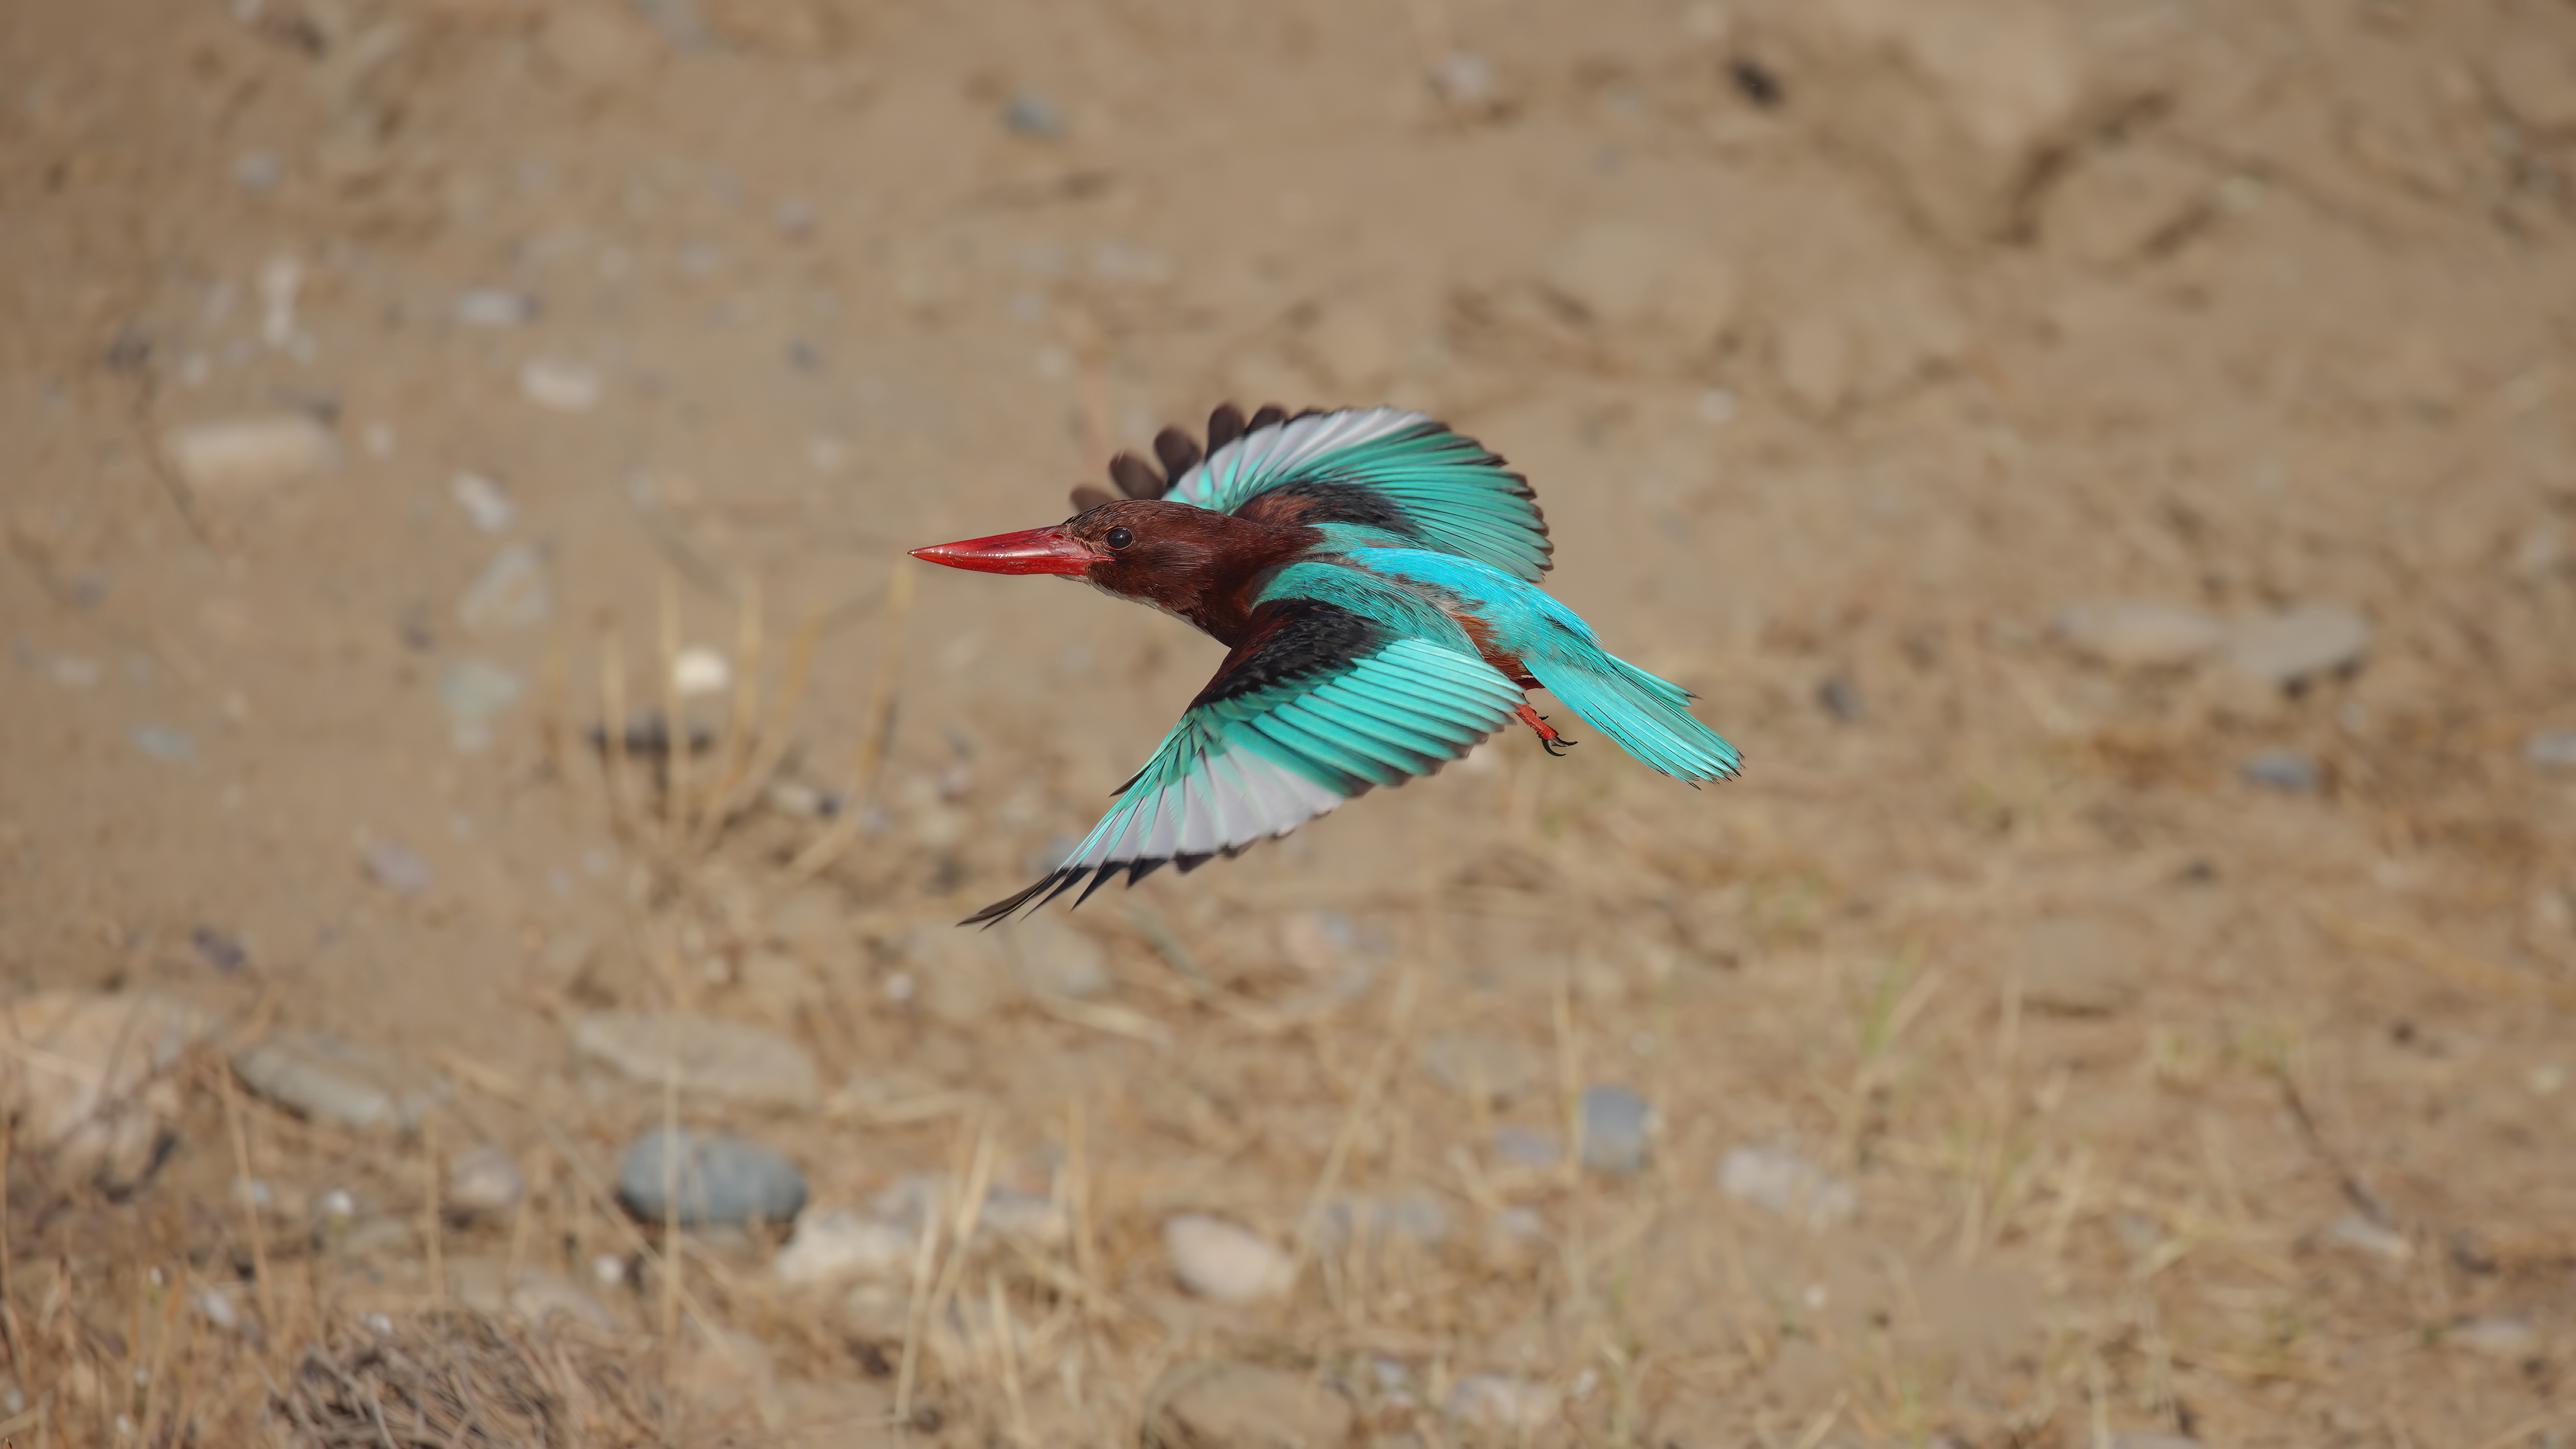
(1319, 704)
(1378, 468)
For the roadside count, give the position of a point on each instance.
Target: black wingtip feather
(1224, 426)
(1135, 477)
(1179, 452)
(1268, 415)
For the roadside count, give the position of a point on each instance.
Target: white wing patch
(1225, 477)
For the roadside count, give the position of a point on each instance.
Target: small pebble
(2510, 1338)
(699, 670)
(1030, 114)
(793, 217)
(240, 459)
(1215, 1259)
(164, 744)
(1840, 697)
(719, 1179)
(1528, 1148)
(2551, 749)
(259, 171)
(2291, 648)
(495, 307)
(511, 593)
(73, 672)
(1781, 1182)
(2289, 771)
(2360, 1234)
(326, 1079)
(1418, 1217)
(608, 1270)
(2130, 634)
(218, 950)
(1466, 78)
(396, 867)
(836, 1246)
(485, 1180)
(216, 1307)
(1616, 1125)
(472, 692)
(1501, 1402)
(485, 501)
(562, 385)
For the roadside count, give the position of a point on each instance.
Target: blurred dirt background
(2111, 465)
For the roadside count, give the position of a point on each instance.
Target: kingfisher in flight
(1374, 577)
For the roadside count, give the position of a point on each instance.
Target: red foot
(1548, 738)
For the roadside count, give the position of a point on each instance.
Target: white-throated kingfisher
(1374, 578)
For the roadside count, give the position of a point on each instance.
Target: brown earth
(1846, 344)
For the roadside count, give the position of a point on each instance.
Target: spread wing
(1317, 705)
(1381, 468)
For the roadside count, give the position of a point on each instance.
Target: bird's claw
(1549, 740)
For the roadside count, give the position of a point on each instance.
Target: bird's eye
(1119, 538)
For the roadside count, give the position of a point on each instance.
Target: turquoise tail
(1648, 717)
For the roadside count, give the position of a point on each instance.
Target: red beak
(1037, 551)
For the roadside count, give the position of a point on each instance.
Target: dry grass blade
(882, 695)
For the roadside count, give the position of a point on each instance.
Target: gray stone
(1216, 1259)
(511, 593)
(2077, 966)
(2287, 770)
(259, 171)
(1244, 1406)
(2132, 634)
(1492, 1068)
(706, 1057)
(473, 693)
(484, 1181)
(495, 307)
(1840, 697)
(716, 1179)
(324, 1078)
(2551, 749)
(1528, 1148)
(2290, 648)
(396, 867)
(1781, 1182)
(164, 744)
(1617, 1124)
(1419, 1217)
(1030, 114)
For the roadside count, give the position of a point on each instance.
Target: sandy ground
(1847, 346)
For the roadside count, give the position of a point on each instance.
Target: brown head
(1186, 560)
